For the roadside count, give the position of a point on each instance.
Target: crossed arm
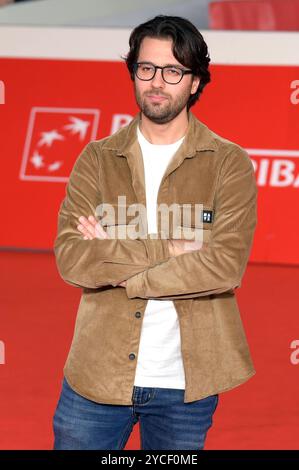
(150, 268)
(219, 266)
(97, 262)
(90, 229)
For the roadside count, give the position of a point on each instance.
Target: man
(158, 334)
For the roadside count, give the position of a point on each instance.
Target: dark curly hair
(189, 47)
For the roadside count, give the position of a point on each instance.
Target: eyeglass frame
(184, 72)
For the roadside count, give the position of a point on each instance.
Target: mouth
(156, 98)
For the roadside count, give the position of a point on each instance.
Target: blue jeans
(166, 422)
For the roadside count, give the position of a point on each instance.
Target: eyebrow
(178, 66)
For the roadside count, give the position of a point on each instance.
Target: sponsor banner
(51, 108)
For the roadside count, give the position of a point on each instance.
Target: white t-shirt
(159, 362)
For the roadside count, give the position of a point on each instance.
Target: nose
(158, 81)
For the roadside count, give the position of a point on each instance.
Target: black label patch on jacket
(207, 217)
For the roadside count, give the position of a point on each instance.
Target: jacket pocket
(193, 226)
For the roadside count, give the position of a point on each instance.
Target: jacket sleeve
(219, 265)
(98, 262)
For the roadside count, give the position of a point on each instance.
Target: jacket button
(137, 314)
(132, 356)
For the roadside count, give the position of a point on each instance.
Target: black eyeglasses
(170, 73)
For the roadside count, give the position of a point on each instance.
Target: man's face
(159, 101)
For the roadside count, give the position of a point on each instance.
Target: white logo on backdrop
(55, 137)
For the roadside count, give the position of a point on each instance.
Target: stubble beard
(163, 112)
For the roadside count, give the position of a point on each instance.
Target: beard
(166, 110)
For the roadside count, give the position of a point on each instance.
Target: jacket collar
(198, 137)
(125, 144)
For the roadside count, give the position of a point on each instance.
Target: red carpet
(38, 312)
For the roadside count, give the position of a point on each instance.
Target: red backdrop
(54, 107)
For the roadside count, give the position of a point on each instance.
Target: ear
(195, 84)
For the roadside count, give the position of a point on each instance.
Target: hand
(91, 229)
